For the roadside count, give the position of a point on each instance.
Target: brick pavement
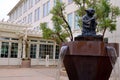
(29, 74)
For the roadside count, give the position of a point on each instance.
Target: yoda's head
(90, 11)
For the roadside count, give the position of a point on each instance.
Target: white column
(9, 52)
(24, 49)
(24, 44)
(28, 49)
(9, 49)
(19, 48)
(54, 50)
(0, 47)
(37, 51)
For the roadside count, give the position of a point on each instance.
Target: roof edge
(19, 2)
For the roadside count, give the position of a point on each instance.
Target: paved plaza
(33, 74)
(29, 74)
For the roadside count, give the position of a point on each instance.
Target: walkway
(29, 74)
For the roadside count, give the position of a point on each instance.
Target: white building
(34, 12)
(19, 42)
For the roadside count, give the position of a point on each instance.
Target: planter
(88, 59)
(26, 63)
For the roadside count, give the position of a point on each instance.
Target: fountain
(114, 62)
(60, 61)
(89, 60)
(89, 57)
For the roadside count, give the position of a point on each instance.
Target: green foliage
(59, 20)
(56, 33)
(60, 29)
(106, 14)
(47, 32)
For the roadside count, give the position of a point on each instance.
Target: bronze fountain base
(87, 58)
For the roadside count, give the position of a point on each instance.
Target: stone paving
(29, 74)
(33, 74)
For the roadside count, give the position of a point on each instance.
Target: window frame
(70, 19)
(46, 8)
(37, 14)
(33, 51)
(14, 53)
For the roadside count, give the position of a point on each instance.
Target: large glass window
(36, 1)
(70, 19)
(14, 50)
(70, 1)
(30, 18)
(25, 6)
(4, 38)
(4, 50)
(57, 52)
(33, 48)
(37, 14)
(20, 10)
(16, 13)
(76, 26)
(44, 50)
(46, 8)
(25, 19)
(30, 3)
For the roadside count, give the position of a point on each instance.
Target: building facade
(34, 12)
(19, 42)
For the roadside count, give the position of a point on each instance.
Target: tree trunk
(104, 32)
(62, 16)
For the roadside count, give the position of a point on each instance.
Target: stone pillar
(24, 44)
(24, 48)
(54, 53)
(0, 47)
(37, 52)
(19, 48)
(54, 50)
(28, 49)
(9, 50)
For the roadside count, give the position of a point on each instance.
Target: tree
(46, 32)
(106, 14)
(59, 19)
(56, 33)
(61, 30)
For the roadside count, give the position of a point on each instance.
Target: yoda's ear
(86, 11)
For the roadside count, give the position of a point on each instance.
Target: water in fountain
(114, 62)
(60, 61)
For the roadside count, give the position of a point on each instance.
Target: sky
(5, 7)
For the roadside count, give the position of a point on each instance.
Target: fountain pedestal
(87, 59)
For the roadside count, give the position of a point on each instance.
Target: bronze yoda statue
(89, 23)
